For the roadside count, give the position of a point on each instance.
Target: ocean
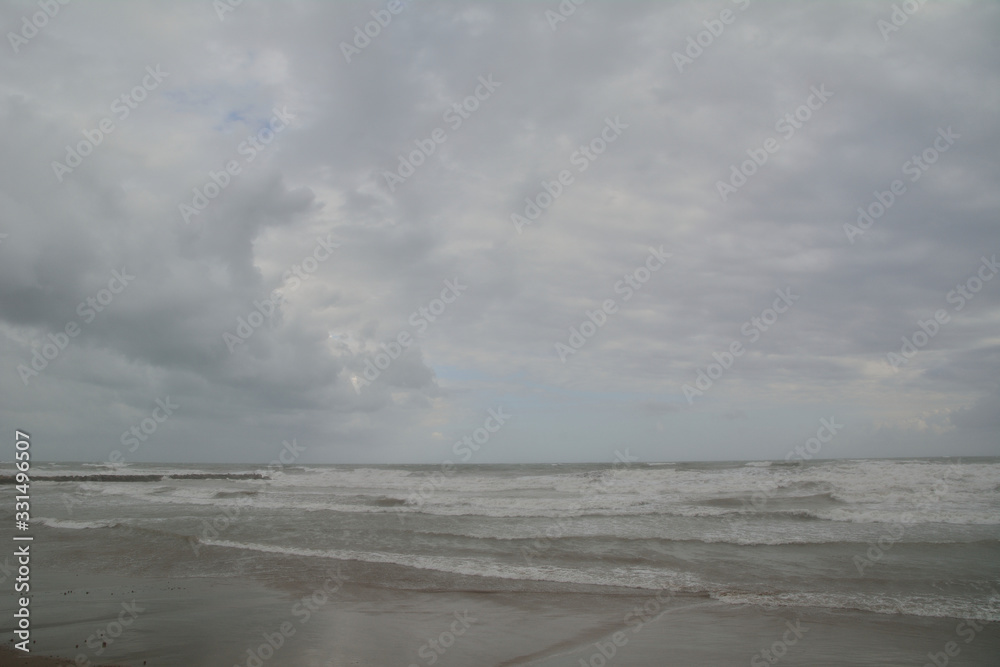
(849, 544)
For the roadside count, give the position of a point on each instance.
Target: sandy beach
(9, 656)
(209, 622)
(529, 566)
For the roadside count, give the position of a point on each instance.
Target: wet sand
(212, 622)
(9, 656)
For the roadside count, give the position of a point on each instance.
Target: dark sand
(219, 622)
(9, 656)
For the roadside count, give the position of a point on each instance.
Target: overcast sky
(711, 152)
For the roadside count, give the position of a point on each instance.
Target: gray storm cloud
(244, 207)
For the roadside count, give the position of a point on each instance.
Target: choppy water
(918, 537)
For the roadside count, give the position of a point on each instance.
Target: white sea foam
(675, 527)
(850, 492)
(865, 491)
(650, 579)
(73, 525)
(984, 609)
(481, 567)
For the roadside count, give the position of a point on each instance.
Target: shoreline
(211, 621)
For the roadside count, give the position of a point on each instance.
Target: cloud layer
(366, 242)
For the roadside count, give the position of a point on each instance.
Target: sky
(432, 232)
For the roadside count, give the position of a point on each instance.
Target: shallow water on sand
(881, 561)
